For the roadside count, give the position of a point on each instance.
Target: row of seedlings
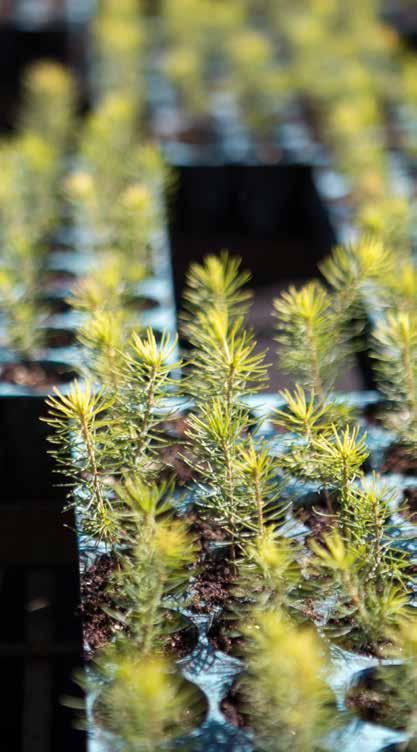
(268, 524)
(34, 353)
(123, 508)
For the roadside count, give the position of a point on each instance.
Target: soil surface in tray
(319, 515)
(59, 337)
(211, 584)
(98, 626)
(34, 376)
(232, 706)
(214, 579)
(400, 460)
(376, 699)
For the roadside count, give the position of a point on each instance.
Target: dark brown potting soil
(173, 459)
(377, 701)
(410, 498)
(211, 588)
(98, 626)
(33, 376)
(214, 575)
(231, 706)
(367, 704)
(139, 303)
(399, 459)
(56, 281)
(59, 337)
(318, 516)
(182, 642)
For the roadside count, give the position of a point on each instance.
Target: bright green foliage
(320, 451)
(260, 487)
(24, 334)
(109, 445)
(28, 213)
(103, 299)
(240, 489)
(49, 103)
(196, 37)
(22, 315)
(102, 338)
(142, 701)
(355, 272)
(288, 700)
(81, 447)
(137, 218)
(102, 289)
(107, 142)
(185, 68)
(216, 284)
(322, 446)
(389, 218)
(224, 362)
(223, 369)
(402, 288)
(80, 190)
(338, 459)
(366, 606)
(256, 77)
(312, 338)
(120, 214)
(366, 516)
(270, 574)
(28, 207)
(395, 353)
(148, 580)
(146, 381)
(304, 415)
(143, 504)
(149, 163)
(110, 131)
(308, 418)
(109, 287)
(215, 436)
(118, 44)
(137, 374)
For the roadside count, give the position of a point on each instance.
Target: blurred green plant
(81, 446)
(49, 104)
(153, 577)
(142, 701)
(288, 701)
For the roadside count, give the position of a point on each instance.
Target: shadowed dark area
(270, 215)
(40, 633)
